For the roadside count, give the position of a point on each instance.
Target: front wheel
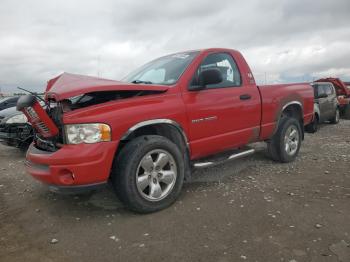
(284, 146)
(336, 117)
(148, 174)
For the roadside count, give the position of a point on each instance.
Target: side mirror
(210, 77)
(207, 77)
(322, 95)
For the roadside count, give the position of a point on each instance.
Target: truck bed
(276, 97)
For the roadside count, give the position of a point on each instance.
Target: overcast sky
(289, 40)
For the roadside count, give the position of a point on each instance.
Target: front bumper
(5, 135)
(71, 190)
(72, 166)
(16, 134)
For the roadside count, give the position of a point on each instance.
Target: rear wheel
(347, 112)
(336, 117)
(285, 144)
(148, 174)
(313, 126)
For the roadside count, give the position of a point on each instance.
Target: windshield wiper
(141, 82)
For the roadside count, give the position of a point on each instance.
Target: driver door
(225, 115)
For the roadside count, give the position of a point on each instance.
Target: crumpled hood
(69, 85)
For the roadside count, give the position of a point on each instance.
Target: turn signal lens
(105, 131)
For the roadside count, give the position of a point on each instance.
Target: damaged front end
(47, 135)
(50, 134)
(70, 152)
(69, 92)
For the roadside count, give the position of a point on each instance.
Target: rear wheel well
(294, 111)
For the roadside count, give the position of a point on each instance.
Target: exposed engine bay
(55, 110)
(100, 97)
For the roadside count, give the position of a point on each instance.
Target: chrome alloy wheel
(291, 140)
(156, 175)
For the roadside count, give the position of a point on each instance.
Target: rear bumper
(79, 166)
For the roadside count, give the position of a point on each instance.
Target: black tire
(347, 112)
(276, 146)
(125, 167)
(313, 126)
(336, 117)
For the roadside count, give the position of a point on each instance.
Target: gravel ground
(248, 210)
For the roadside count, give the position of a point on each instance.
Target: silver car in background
(326, 107)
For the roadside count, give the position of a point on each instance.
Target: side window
(321, 90)
(227, 66)
(330, 90)
(326, 89)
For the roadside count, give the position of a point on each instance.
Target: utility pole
(98, 65)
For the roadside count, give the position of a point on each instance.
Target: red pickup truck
(146, 132)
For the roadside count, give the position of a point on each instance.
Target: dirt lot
(248, 210)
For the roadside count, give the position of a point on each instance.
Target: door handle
(245, 97)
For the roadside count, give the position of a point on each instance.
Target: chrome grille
(32, 114)
(44, 144)
(37, 123)
(43, 127)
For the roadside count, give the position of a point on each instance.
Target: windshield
(162, 71)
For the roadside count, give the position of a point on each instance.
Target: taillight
(37, 116)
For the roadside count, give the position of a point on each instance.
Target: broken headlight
(87, 133)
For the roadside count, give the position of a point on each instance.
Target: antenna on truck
(32, 93)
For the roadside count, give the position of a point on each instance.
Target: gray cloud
(287, 40)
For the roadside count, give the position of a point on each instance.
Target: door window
(225, 64)
(318, 90)
(328, 89)
(321, 90)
